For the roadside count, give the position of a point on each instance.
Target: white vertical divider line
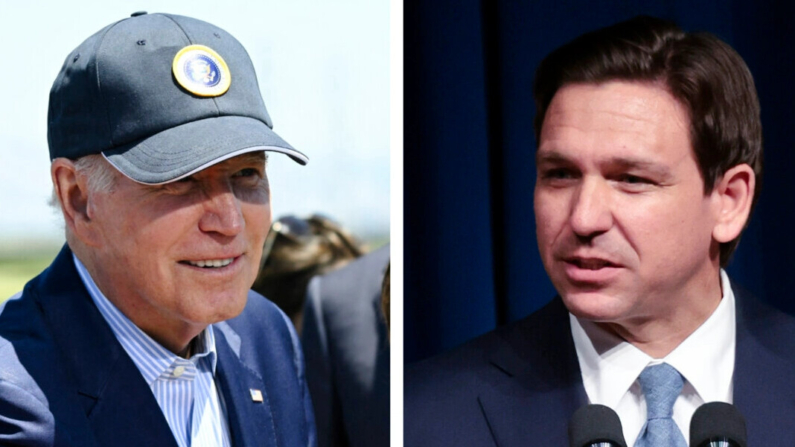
(396, 220)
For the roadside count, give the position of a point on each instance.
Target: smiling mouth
(210, 263)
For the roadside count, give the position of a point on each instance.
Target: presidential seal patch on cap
(201, 71)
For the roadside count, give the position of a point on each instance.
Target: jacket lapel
(537, 384)
(540, 384)
(118, 404)
(250, 418)
(764, 370)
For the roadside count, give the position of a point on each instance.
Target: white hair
(100, 175)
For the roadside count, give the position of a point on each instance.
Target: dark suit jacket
(66, 381)
(519, 385)
(347, 354)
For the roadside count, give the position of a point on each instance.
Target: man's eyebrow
(254, 157)
(624, 163)
(552, 157)
(639, 164)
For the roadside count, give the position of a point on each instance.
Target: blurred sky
(323, 69)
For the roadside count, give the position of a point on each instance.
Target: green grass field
(15, 272)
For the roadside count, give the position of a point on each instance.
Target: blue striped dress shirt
(184, 388)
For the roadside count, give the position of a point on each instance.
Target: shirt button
(178, 371)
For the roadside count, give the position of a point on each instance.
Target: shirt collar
(710, 349)
(610, 365)
(151, 358)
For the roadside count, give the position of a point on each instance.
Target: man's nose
(591, 213)
(222, 212)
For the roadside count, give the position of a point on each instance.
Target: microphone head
(717, 421)
(595, 423)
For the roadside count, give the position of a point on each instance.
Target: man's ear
(73, 195)
(734, 195)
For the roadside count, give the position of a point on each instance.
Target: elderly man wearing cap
(143, 330)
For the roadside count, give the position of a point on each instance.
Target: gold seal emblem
(201, 71)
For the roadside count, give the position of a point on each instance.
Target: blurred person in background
(346, 347)
(386, 290)
(296, 250)
(144, 331)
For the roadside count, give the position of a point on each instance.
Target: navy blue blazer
(347, 354)
(520, 384)
(66, 381)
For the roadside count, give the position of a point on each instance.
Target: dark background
(471, 262)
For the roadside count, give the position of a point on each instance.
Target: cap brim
(184, 150)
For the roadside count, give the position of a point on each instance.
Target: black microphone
(595, 426)
(717, 424)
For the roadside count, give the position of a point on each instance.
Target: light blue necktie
(661, 385)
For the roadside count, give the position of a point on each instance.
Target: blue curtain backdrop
(471, 260)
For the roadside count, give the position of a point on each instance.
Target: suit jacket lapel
(250, 421)
(118, 404)
(764, 370)
(537, 385)
(100, 397)
(541, 385)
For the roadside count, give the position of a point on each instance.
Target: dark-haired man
(143, 330)
(649, 159)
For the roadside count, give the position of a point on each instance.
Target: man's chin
(594, 306)
(213, 308)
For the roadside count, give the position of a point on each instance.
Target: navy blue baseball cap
(161, 97)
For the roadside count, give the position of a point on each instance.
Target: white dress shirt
(610, 367)
(184, 388)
